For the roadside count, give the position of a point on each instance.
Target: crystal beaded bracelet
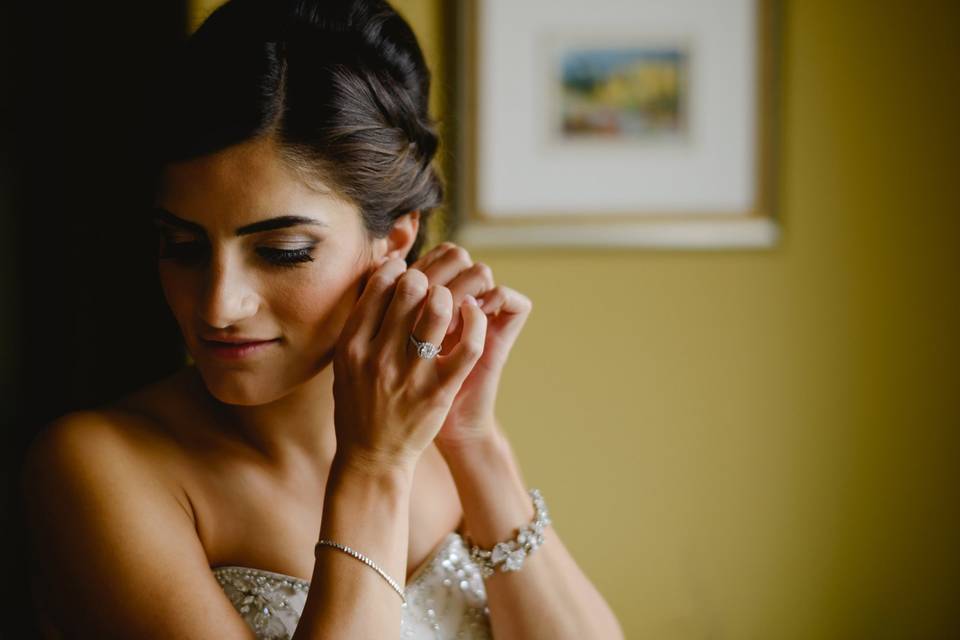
(510, 554)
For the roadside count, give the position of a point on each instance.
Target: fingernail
(469, 299)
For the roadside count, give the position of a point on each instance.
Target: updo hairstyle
(341, 85)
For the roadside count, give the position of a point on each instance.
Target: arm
(367, 508)
(549, 597)
(116, 554)
(388, 406)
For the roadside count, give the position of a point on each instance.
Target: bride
(318, 470)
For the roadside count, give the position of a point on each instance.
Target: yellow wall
(764, 444)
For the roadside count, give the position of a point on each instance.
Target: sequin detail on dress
(446, 598)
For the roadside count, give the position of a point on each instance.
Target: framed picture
(616, 123)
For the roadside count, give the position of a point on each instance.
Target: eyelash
(192, 252)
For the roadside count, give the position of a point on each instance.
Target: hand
(471, 415)
(388, 402)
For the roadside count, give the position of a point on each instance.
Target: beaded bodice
(445, 596)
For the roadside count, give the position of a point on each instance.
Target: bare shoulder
(123, 446)
(83, 448)
(114, 551)
(88, 438)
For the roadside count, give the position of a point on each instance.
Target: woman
(316, 439)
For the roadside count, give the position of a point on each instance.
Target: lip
(235, 350)
(223, 337)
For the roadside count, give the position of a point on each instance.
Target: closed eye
(185, 253)
(194, 253)
(286, 257)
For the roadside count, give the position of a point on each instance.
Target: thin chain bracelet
(510, 554)
(364, 559)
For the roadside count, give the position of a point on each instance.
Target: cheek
(177, 290)
(319, 299)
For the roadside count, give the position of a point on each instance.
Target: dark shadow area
(82, 316)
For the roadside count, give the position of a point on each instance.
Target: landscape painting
(623, 93)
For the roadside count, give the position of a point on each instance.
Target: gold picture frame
(755, 226)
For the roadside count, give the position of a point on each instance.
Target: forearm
(370, 513)
(549, 597)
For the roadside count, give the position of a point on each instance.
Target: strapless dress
(445, 596)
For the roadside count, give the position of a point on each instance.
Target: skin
(271, 417)
(247, 445)
(227, 462)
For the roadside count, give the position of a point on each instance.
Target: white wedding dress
(445, 596)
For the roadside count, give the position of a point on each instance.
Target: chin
(242, 387)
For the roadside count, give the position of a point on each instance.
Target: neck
(289, 432)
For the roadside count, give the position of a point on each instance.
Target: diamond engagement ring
(425, 350)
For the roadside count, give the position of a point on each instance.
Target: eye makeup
(194, 252)
(286, 257)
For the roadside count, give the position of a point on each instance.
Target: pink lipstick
(237, 350)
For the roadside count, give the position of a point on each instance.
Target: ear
(398, 242)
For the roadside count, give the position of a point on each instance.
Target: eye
(286, 257)
(187, 253)
(194, 252)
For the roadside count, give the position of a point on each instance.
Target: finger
(508, 301)
(371, 269)
(476, 281)
(503, 298)
(508, 310)
(429, 257)
(456, 366)
(433, 320)
(408, 296)
(448, 266)
(367, 315)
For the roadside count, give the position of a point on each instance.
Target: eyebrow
(160, 214)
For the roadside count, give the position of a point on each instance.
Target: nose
(229, 294)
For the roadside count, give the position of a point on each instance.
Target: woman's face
(233, 266)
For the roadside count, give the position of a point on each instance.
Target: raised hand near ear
(471, 416)
(389, 401)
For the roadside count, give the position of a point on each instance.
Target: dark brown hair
(340, 84)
